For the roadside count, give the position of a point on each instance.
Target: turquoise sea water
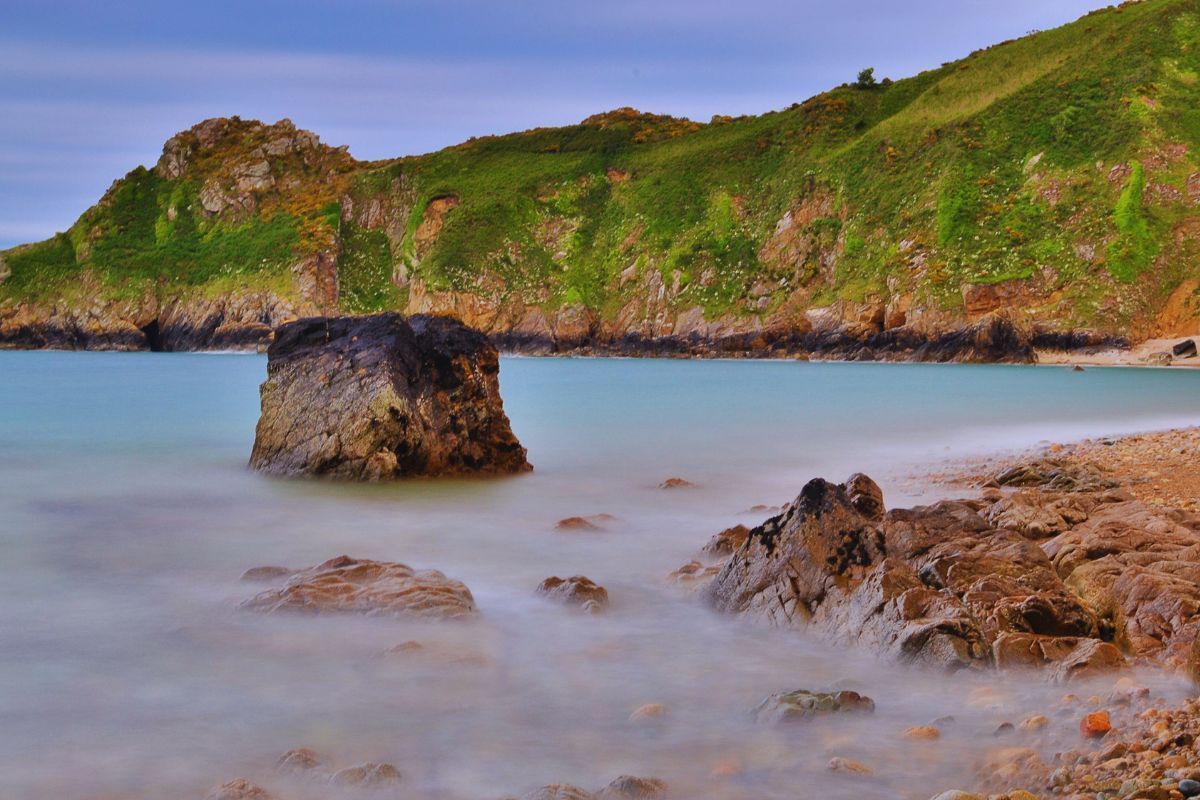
(127, 515)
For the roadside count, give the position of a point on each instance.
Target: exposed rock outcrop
(1076, 583)
(381, 397)
(347, 585)
(242, 321)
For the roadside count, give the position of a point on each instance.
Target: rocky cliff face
(1046, 181)
(381, 397)
(1076, 582)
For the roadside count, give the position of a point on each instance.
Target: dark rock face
(226, 322)
(941, 584)
(1184, 349)
(382, 397)
(993, 338)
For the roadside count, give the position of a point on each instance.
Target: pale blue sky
(89, 90)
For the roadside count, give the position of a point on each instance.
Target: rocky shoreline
(247, 322)
(1078, 561)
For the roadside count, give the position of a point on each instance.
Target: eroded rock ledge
(246, 322)
(1077, 582)
(381, 397)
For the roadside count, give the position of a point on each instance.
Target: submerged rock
(382, 397)
(576, 590)
(628, 787)
(559, 791)
(265, 573)
(802, 704)
(368, 775)
(591, 523)
(299, 760)
(676, 483)
(239, 789)
(344, 584)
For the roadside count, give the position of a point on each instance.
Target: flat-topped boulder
(350, 585)
(381, 397)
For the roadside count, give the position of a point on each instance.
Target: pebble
(849, 765)
(647, 711)
(925, 732)
(1189, 787)
(1095, 724)
(1035, 723)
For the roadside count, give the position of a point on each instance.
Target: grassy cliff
(1056, 174)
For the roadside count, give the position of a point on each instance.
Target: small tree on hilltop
(866, 79)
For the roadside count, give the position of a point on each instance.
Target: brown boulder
(577, 591)
(347, 585)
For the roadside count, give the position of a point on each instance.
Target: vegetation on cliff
(1057, 173)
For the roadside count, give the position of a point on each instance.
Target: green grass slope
(1060, 169)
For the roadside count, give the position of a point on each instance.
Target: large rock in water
(381, 397)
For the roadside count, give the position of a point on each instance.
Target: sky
(90, 90)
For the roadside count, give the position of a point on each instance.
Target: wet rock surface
(348, 585)
(383, 397)
(804, 704)
(576, 590)
(1078, 582)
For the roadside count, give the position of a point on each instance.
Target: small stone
(1095, 724)
(726, 767)
(369, 774)
(675, 483)
(924, 732)
(1189, 787)
(1035, 723)
(576, 524)
(302, 759)
(647, 711)
(849, 765)
(238, 789)
(627, 787)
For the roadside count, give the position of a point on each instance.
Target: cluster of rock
(1077, 582)
(626, 787)
(1128, 747)
(306, 763)
(380, 397)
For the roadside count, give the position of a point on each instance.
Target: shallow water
(127, 516)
